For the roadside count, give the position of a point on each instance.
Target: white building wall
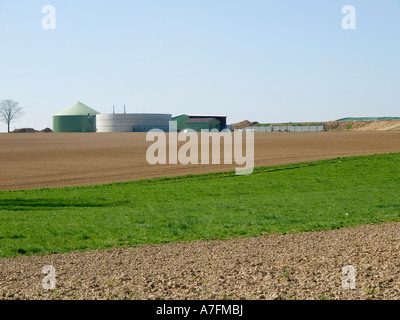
(138, 122)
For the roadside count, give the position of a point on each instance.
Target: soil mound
(384, 125)
(377, 126)
(30, 130)
(25, 130)
(243, 124)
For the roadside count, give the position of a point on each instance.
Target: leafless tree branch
(10, 111)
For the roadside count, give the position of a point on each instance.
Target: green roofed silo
(76, 118)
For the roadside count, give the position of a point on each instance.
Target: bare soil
(362, 126)
(293, 266)
(30, 161)
(388, 125)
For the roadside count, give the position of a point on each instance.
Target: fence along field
(288, 128)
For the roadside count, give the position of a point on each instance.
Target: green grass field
(318, 195)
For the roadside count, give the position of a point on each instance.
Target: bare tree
(10, 111)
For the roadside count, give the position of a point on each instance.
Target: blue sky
(266, 61)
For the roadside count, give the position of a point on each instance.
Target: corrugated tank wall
(73, 124)
(132, 122)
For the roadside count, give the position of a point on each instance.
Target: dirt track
(31, 161)
(303, 266)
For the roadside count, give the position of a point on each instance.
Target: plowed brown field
(293, 266)
(31, 161)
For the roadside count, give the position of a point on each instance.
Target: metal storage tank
(76, 118)
(134, 122)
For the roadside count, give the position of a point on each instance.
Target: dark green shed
(200, 122)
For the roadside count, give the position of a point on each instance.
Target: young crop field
(320, 195)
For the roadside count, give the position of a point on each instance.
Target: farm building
(139, 122)
(200, 122)
(76, 118)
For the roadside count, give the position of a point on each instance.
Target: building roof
(205, 115)
(201, 120)
(77, 109)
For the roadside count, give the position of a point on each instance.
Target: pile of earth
(243, 124)
(30, 130)
(384, 125)
(25, 130)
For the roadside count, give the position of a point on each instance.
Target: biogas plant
(82, 118)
